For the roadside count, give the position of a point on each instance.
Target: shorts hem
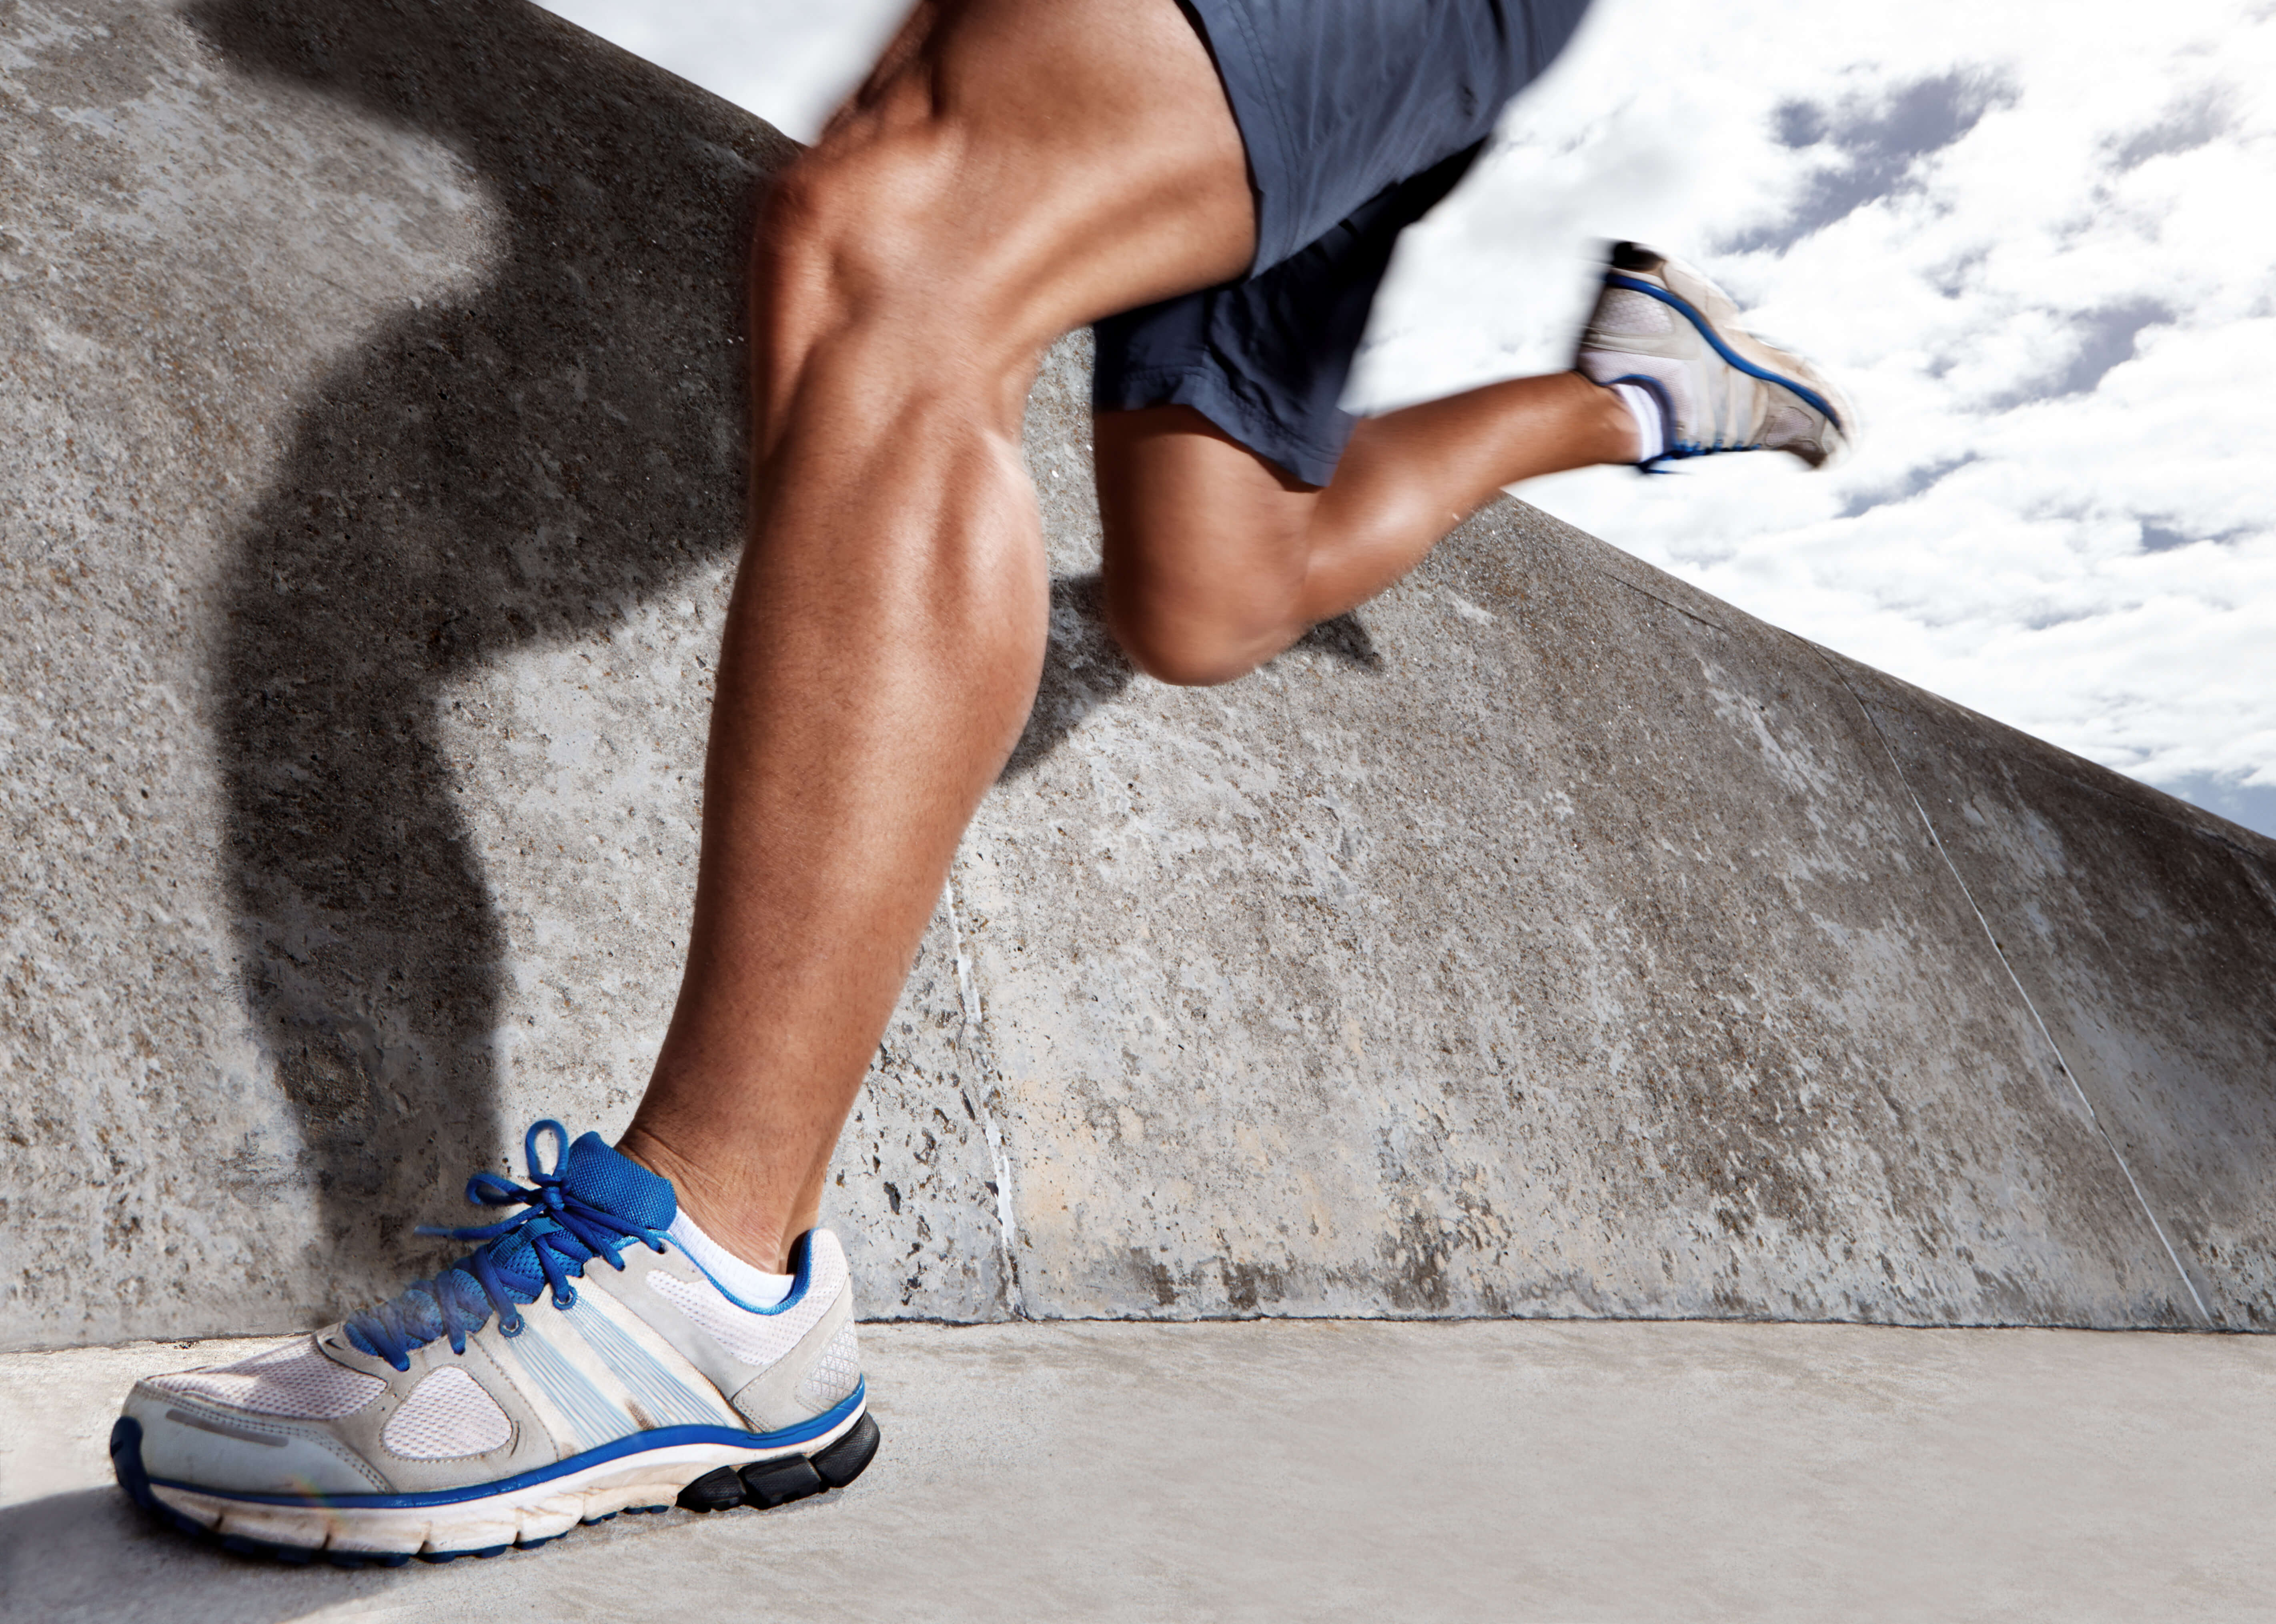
(1308, 459)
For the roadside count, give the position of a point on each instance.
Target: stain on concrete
(511, 465)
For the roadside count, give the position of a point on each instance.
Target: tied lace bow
(535, 1250)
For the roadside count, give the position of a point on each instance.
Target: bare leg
(1215, 561)
(1014, 169)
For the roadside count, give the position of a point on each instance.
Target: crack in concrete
(972, 1022)
(1991, 936)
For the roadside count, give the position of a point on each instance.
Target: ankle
(724, 1213)
(1636, 427)
(747, 1284)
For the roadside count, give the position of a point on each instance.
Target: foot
(1661, 326)
(518, 1393)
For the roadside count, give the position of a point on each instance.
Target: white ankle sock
(1651, 428)
(747, 1283)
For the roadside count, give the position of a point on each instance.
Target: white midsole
(540, 1512)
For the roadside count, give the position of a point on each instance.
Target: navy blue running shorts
(1358, 117)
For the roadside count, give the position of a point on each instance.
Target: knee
(1207, 548)
(867, 285)
(857, 237)
(1190, 649)
(823, 230)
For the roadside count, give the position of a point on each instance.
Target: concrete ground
(1343, 1470)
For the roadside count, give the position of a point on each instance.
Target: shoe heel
(765, 1483)
(850, 1456)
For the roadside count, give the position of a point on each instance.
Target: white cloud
(2035, 244)
(2036, 248)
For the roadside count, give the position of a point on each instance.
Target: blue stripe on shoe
(638, 1443)
(1652, 290)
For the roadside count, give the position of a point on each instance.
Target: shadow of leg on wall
(511, 467)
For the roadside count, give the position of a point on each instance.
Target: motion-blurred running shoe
(578, 1363)
(1661, 328)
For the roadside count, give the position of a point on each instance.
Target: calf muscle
(1016, 167)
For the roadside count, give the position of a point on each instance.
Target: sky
(2035, 244)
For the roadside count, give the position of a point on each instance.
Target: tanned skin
(1013, 169)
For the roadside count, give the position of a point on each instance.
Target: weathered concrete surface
(1584, 952)
(2137, 927)
(1549, 940)
(1528, 1472)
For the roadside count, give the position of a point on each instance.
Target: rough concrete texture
(2137, 929)
(1549, 939)
(1529, 1472)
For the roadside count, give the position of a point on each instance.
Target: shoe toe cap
(207, 1446)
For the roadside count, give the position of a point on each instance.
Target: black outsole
(850, 1456)
(768, 1484)
(763, 1484)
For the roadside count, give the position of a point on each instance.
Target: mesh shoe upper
(295, 1380)
(448, 1416)
(834, 1376)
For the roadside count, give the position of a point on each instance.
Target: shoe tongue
(600, 1175)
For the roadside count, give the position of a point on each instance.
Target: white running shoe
(1662, 326)
(520, 1391)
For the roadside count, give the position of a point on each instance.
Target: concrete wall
(1551, 938)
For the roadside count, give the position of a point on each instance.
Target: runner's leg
(1216, 560)
(1016, 168)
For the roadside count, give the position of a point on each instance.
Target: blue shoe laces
(523, 1255)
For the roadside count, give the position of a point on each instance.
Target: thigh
(1017, 168)
(1267, 359)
